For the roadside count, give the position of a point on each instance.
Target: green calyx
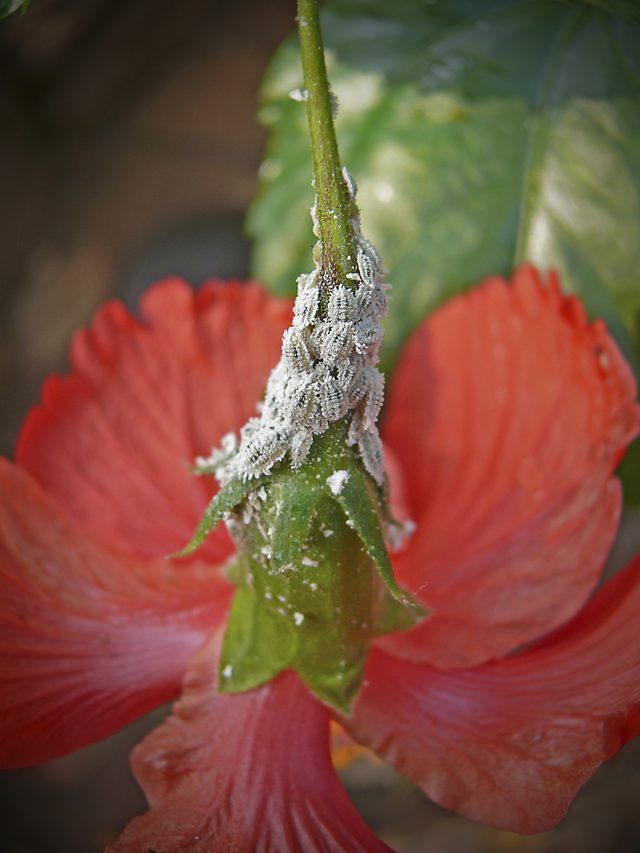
(314, 579)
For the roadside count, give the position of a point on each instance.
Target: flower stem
(334, 205)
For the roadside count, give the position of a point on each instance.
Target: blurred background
(129, 151)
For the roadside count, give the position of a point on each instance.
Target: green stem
(334, 205)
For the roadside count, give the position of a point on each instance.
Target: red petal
(88, 641)
(511, 742)
(240, 772)
(507, 414)
(113, 442)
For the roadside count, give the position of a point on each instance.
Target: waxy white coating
(327, 371)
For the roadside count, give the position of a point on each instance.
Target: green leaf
(227, 499)
(9, 6)
(481, 134)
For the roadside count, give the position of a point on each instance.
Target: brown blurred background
(129, 151)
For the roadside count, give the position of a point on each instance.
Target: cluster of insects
(327, 371)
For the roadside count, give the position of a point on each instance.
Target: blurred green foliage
(481, 133)
(9, 6)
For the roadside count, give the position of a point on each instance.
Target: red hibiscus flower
(506, 416)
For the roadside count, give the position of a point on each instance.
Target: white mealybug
(374, 398)
(326, 369)
(352, 187)
(264, 448)
(299, 401)
(363, 301)
(357, 384)
(300, 446)
(336, 343)
(251, 427)
(348, 371)
(355, 427)
(372, 454)
(306, 307)
(366, 334)
(272, 409)
(370, 250)
(342, 305)
(319, 425)
(275, 394)
(312, 278)
(296, 352)
(332, 398)
(379, 301)
(366, 268)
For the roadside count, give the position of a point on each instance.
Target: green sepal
(226, 500)
(257, 645)
(357, 499)
(295, 510)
